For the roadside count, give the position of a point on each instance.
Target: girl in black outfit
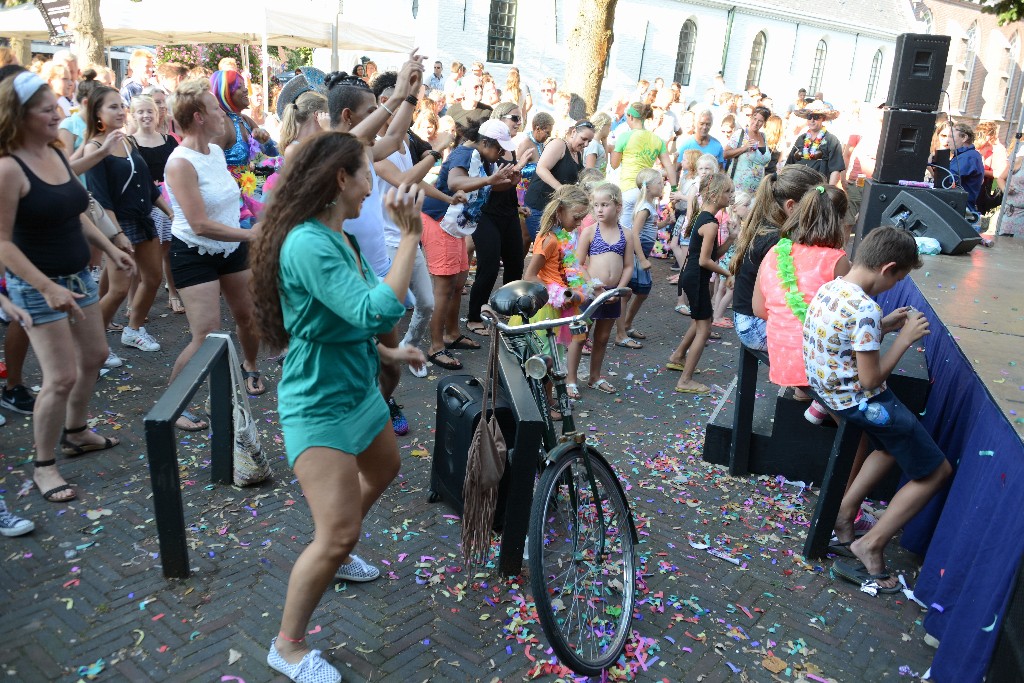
(155, 148)
(716, 192)
(122, 185)
(498, 237)
(44, 244)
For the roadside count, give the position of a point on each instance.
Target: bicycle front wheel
(582, 561)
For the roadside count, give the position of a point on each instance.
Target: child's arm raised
(873, 369)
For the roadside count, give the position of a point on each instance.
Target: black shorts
(698, 293)
(902, 436)
(191, 268)
(138, 230)
(609, 311)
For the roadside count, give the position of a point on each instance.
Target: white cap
(498, 131)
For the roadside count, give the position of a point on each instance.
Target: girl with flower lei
(809, 254)
(556, 265)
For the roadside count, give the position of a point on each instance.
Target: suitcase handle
(456, 399)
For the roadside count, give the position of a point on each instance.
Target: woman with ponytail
(776, 199)
(638, 148)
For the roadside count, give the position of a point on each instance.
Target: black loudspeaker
(928, 212)
(918, 69)
(903, 146)
(1007, 663)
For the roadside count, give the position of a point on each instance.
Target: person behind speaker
(817, 147)
(842, 338)
(966, 165)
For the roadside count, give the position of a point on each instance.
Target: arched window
(756, 59)
(684, 53)
(501, 31)
(927, 20)
(876, 70)
(968, 52)
(1010, 74)
(819, 67)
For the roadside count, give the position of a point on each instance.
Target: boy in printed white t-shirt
(843, 333)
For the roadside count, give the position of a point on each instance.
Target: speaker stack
(915, 90)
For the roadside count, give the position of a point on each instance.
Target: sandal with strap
(257, 385)
(73, 450)
(454, 364)
(49, 495)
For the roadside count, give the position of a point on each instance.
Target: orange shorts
(446, 255)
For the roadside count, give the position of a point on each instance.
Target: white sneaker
(312, 669)
(139, 339)
(11, 524)
(357, 570)
(113, 360)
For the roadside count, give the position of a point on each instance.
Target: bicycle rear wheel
(582, 561)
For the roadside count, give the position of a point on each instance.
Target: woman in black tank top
(44, 245)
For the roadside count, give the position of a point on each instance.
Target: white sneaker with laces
(139, 339)
(357, 570)
(113, 360)
(12, 525)
(312, 669)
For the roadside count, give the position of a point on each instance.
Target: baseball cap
(497, 131)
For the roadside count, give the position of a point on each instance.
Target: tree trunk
(85, 22)
(22, 48)
(589, 43)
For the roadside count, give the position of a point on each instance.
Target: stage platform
(979, 296)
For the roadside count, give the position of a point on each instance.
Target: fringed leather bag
(484, 469)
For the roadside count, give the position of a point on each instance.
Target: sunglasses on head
(584, 124)
(515, 118)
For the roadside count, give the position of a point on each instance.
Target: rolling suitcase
(459, 407)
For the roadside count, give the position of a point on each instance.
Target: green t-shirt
(640, 148)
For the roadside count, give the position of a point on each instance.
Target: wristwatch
(434, 153)
(412, 99)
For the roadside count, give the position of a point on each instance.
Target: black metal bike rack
(211, 360)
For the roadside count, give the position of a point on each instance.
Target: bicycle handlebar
(490, 320)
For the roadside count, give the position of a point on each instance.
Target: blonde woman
(57, 77)
(304, 117)
(517, 92)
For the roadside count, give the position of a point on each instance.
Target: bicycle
(581, 535)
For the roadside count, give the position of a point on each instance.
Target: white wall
(541, 46)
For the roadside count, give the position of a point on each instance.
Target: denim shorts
(533, 222)
(752, 331)
(26, 296)
(901, 435)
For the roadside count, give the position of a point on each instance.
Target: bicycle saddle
(521, 297)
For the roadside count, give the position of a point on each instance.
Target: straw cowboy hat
(817, 107)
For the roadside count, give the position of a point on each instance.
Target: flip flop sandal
(678, 367)
(572, 391)
(858, 574)
(199, 423)
(587, 348)
(604, 386)
(724, 323)
(839, 548)
(634, 334)
(48, 496)
(463, 343)
(114, 327)
(454, 364)
(629, 344)
(253, 375)
(174, 303)
(554, 413)
(714, 335)
(693, 390)
(73, 450)
(481, 331)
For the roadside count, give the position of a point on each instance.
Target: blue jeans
(28, 297)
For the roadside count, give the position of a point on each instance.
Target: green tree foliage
(1008, 11)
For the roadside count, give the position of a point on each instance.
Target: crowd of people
(354, 199)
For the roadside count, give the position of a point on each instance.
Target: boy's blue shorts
(902, 436)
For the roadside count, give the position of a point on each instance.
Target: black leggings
(497, 239)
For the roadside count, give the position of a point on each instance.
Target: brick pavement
(79, 590)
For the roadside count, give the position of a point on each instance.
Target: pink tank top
(814, 267)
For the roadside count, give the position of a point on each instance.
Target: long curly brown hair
(308, 184)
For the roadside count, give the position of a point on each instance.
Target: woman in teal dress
(318, 296)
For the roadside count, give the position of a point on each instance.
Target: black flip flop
(256, 381)
(455, 364)
(463, 343)
(858, 574)
(838, 548)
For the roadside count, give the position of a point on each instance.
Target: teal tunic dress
(328, 394)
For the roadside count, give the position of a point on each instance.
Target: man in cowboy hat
(818, 148)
